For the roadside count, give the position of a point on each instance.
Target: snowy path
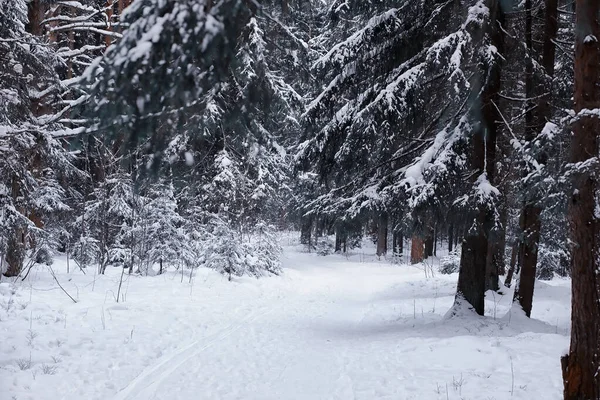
(263, 353)
(330, 328)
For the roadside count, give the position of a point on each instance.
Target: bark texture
(382, 234)
(580, 366)
(417, 250)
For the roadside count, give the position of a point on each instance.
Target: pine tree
(580, 365)
(165, 236)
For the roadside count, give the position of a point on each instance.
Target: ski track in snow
(144, 386)
(329, 328)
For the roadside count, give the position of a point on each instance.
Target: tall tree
(580, 366)
(485, 92)
(32, 159)
(538, 88)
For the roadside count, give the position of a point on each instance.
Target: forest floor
(333, 327)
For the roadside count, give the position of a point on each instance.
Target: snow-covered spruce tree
(240, 138)
(137, 96)
(165, 236)
(33, 164)
(267, 250)
(106, 223)
(218, 114)
(226, 252)
(409, 128)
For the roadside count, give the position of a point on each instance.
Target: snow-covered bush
(86, 251)
(450, 263)
(325, 246)
(551, 261)
(224, 251)
(43, 254)
(227, 252)
(267, 249)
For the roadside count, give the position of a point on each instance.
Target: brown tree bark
(417, 250)
(35, 13)
(471, 276)
(15, 253)
(580, 366)
(52, 12)
(382, 234)
(109, 15)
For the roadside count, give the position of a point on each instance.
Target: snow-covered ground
(330, 327)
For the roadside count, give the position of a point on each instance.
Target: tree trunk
(472, 273)
(319, 227)
(580, 366)
(306, 230)
(15, 253)
(435, 241)
(535, 120)
(491, 268)
(450, 237)
(35, 11)
(513, 263)
(339, 239)
(417, 250)
(109, 15)
(382, 234)
(429, 242)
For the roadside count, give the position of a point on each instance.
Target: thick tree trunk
(530, 226)
(417, 250)
(450, 237)
(35, 11)
(581, 365)
(472, 273)
(429, 242)
(382, 234)
(15, 253)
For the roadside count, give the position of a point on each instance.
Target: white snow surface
(332, 327)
